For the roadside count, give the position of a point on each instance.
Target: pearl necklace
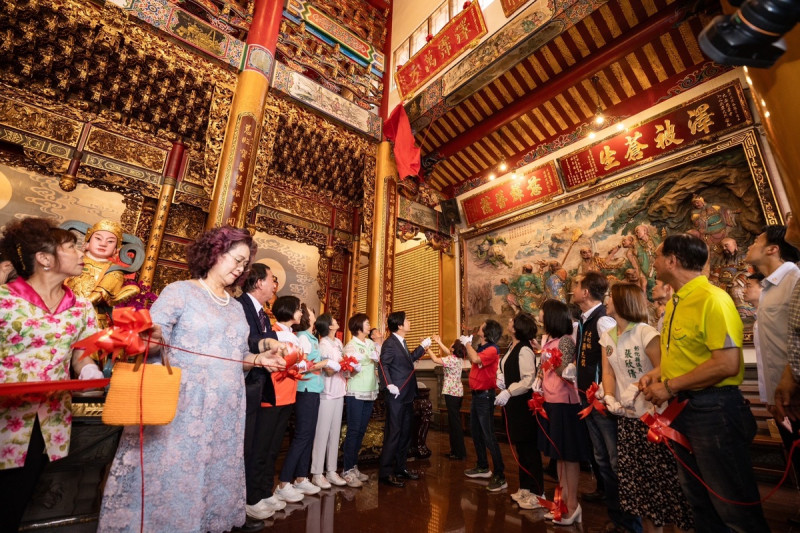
(217, 299)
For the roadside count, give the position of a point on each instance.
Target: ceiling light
(599, 119)
(503, 166)
(492, 177)
(620, 126)
(514, 175)
(766, 114)
(592, 135)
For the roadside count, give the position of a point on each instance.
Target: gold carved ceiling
(74, 64)
(630, 79)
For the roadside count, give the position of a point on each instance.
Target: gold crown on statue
(106, 225)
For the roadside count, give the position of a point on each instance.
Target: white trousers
(326, 438)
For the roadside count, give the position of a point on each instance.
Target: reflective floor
(443, 500)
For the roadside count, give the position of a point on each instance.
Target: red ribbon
(536, 405)
(293, 357)
(594, 403)
(348, 363)
(122, 336)
(558, 506)
(554, 359)
(35, 387)
(658, 425)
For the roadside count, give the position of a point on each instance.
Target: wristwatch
(666, 386)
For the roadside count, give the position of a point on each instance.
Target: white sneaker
(288, 494)
(361, 475)
(335, 479)
(320, 481)
(306, 487)
(259, 511)
(275, 503)
(531, 502)
(351, 478)
(521, 494)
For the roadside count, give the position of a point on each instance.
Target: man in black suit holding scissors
(397, 378)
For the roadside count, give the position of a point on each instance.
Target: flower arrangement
(144, 300)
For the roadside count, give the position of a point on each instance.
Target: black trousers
(17, 484)
(530, 458)
(269, 428)
(398, 437)
(453, 404)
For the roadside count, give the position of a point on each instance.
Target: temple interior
(399, 155)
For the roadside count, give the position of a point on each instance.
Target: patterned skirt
(648, 477)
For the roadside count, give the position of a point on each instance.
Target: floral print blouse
(452, 384)
(35, 345)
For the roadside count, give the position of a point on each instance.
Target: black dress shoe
(251, 525)
(392, 481)
(596, 496)
(407, 474)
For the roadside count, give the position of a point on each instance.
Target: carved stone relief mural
(293, 263)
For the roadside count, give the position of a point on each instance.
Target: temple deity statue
(555, 281)
(711, 223)
(729, 272)
(103, 277)
(525, 291)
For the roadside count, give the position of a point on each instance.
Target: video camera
(753, 35)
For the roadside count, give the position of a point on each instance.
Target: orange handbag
(159, 399)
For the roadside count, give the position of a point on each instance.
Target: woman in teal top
(298, 458)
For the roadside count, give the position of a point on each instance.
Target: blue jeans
(358, 414)
(719, 426)
(603, 433)
(481, 425)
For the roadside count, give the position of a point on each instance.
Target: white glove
(302, 366)
(426, 342)
(333, 365)
(393, 390)
(465, 339)
(91, 371)
(501, 382)
(614, 407)
(502, 398)
(537, 385)
(375, 356)
(570, 373)
(357, 367)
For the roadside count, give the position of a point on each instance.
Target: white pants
(326, 438)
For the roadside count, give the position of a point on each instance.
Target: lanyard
(675, 301)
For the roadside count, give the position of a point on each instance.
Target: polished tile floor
(443, 500)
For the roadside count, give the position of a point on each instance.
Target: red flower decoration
(429, 38)
(348, 363)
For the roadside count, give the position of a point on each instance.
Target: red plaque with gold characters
(710, 115)
(527, 188)
(463, 31)
(509, 6)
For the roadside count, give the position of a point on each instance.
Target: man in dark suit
(397, 378)
(258, 289)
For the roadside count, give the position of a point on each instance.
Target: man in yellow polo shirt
(701, 361)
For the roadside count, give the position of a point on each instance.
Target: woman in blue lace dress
(194, 466)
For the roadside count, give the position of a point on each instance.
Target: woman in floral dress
(630, 350)
(40, 319)
(194, 466)
(453, 392)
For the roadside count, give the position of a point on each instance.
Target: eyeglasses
(239, 262)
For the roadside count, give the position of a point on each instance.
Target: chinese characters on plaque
(459, 34)
(712, 114)
(527, 188)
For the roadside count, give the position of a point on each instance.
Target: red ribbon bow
(558, 506)
(293, 356)
(553, 360)
(536, 404)
(122, 336)
(658, 425)
(594, 403)
(348, 363)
